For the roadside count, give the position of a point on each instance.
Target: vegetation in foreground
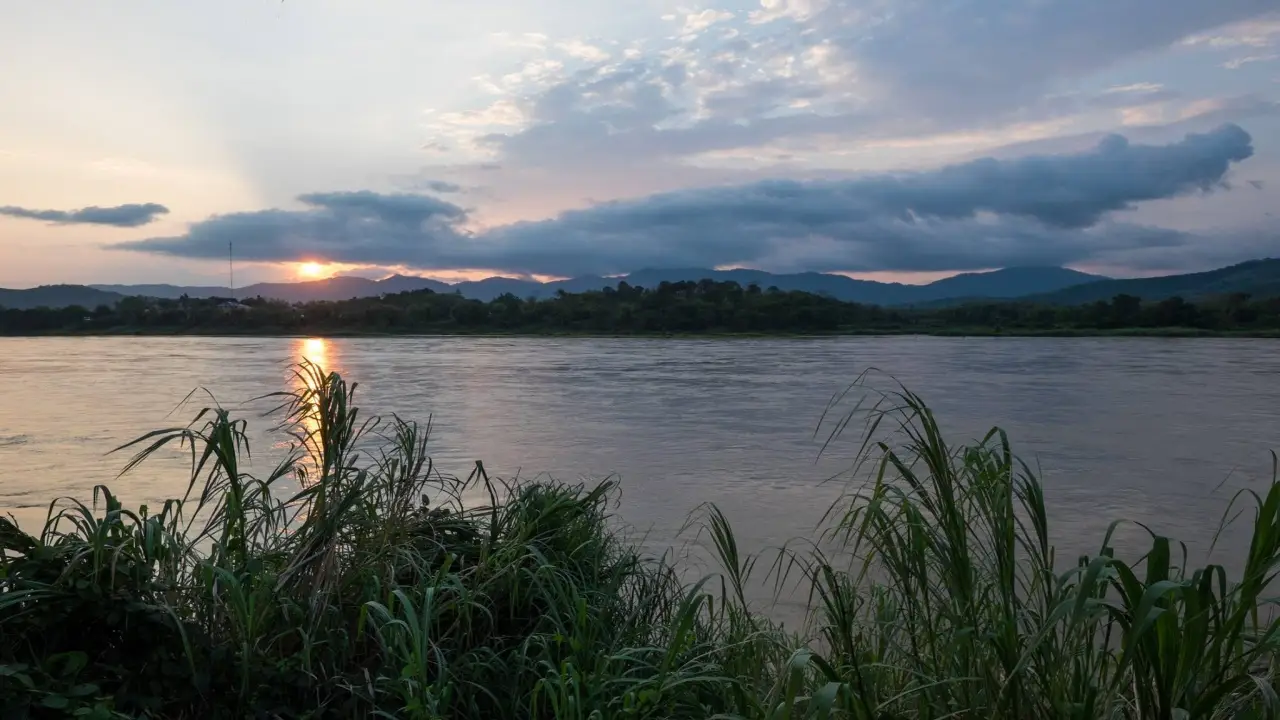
(374, 591)
(704, 307)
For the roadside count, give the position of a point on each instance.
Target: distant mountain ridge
(336, 288)
(1049, 285)
(56, 296)
(1010, 282)
(1259, 278)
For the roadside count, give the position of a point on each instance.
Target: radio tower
(231, 272)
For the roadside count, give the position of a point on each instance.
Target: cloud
(1257, 33)
(125, 216)
(971, 61)
(1138, 98)
(1140, 88)
(799, 78)
(653, 110)
(520, 41)
(1046, 208)
(699, 21)
(771, 10)
(441, 186)
(1237, 63)
(583, 51)
(1190, 253)
(1191, 119)
(358, 227)
(983, 213)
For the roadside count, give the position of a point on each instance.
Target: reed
(353, 580)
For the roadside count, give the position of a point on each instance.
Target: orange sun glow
(310, 269)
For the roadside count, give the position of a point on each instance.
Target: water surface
(1144, 429)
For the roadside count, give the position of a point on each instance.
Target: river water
(1160, 431)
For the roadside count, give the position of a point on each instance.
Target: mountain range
(1050, 285)
(1007, 283)
(56, 296)
(1259, 278)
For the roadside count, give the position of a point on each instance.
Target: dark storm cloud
(1073, 190)
(1192, 254)
(399, 209)
(984, 213)
(134, 215)
(357, 227)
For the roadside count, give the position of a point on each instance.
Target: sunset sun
(310, 270)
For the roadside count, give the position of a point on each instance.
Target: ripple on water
(1117, 425)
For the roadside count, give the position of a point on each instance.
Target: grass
(354, 581)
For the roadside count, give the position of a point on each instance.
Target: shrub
(376, 591)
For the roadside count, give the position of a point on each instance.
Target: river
(1160, 431)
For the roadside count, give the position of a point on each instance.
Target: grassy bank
(375, 591)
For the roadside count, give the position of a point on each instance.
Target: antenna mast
(231, 271)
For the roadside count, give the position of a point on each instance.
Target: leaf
(83, 690)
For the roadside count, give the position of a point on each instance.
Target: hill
(1007, 283)
(1260, 278)
(55, 296)
(1048, 285)
(165, 291)
(340, 288)
(490, 288)
(336, 288)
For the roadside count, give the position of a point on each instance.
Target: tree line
(705, 306)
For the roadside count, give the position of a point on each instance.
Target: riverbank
(346, 595)
(703, 309)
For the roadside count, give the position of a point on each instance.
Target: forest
(703, 307)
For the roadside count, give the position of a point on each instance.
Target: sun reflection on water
(318, 352)
(314, 350)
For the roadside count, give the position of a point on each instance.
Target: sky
(894, 139)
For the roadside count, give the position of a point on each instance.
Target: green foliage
(960, 610)
(682, 307)
(353, 580)
(350, 581)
